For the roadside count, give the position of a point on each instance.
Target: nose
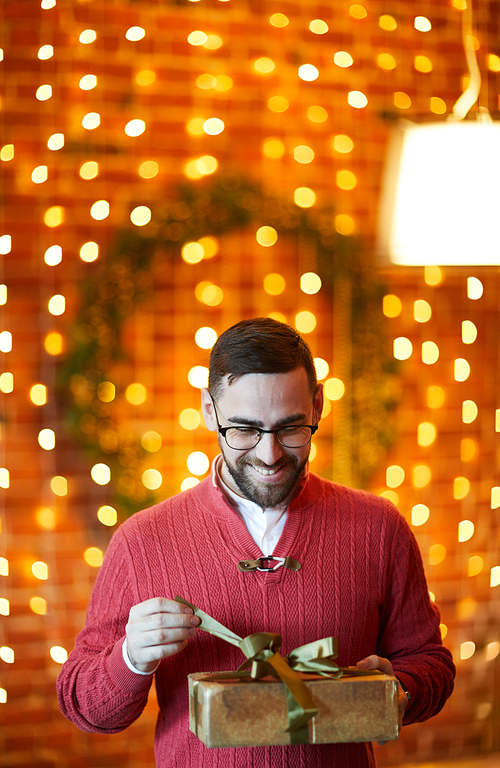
(268, 449)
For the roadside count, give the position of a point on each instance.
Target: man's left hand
(378, 662)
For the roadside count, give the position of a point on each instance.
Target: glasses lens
(294, 437)
(242, 439)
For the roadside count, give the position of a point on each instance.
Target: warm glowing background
(106, 105)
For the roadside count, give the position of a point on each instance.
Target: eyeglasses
(246, 438)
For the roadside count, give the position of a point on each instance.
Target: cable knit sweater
(361, 580)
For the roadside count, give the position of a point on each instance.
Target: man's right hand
(158, 628)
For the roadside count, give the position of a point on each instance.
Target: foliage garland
(224, 204)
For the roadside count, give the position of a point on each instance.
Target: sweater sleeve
(95, 688)
(409, 630)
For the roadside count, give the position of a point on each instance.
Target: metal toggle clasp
(265, 564)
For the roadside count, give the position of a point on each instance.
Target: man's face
(267, 473)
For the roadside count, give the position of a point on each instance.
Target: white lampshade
(441, 195)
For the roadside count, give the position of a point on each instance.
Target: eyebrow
(292, 419)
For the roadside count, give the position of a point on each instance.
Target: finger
(150, 614)
(161, 605)
(160, 637)
(376, 662)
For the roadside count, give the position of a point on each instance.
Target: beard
(265, 495)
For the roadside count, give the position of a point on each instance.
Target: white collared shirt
(265, 526)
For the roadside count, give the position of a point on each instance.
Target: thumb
(376, 662)
(371, 662)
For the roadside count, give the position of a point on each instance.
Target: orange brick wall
(160, 336)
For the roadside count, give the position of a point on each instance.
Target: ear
(318, 401)
(207, 409)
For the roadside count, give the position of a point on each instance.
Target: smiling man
(264, 465)
(262, 545)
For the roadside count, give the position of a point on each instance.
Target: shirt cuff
(126, 659)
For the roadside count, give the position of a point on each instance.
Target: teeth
(266, 471)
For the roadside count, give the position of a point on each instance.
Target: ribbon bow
(262, 650)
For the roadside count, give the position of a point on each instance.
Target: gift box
(301, 698)
(250, 713)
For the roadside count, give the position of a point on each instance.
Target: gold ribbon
(263, 658)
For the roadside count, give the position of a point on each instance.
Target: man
(360, 575)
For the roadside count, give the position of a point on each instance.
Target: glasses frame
(223, 430)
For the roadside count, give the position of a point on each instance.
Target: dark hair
(260, 345)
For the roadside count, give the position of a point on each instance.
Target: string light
(422, 23)
(136, 393)
(198, 376)
(402, 348)
(279, 20)
(53, 255)
(58, 654)
(274, 284)
(198, 463)
(88, 36)
(107, 515)
(135, 33)
(304, 197)
(100, 210)
(317, 114)
(189, 419)
(264, 65)
(422, 64)
(308, 72)
(91, 121)
(305, 322)
(205, 337)
(402, 100)
(318, 27)
(322, 368)
(152, 479)
(430, 352)
(151, 441)
(343, 59)
(422, 311)
(344, 224)
(89, 251)
(419, 514)
(7, 153)
(357, 99)
(56, 141)
(273, 148)
(358, 11)
(392, 305)
(310, 283)
(387, 23)
(394, 476)
(266, 236)
(342, 143)
(303, 154)
(334, 389)
(135, 127)
(474, 288)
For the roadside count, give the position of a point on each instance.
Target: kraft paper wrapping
(237, 713)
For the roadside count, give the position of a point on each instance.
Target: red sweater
(361, 580)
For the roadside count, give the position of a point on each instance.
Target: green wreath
(123, 282)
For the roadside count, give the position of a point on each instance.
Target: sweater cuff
(126, 659)
(123, 677)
